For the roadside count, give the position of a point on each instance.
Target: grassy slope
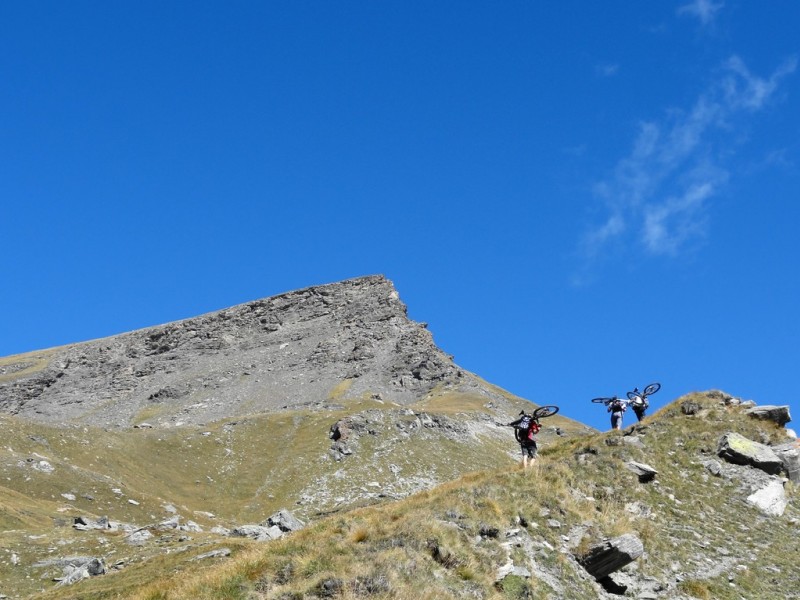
(240, 470)
(698, 522)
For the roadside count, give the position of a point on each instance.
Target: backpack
(526, 428)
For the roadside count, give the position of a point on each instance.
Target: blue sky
(577, 197)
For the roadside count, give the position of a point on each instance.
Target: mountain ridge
(310, 347)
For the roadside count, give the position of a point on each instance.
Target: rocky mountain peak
(305, 348)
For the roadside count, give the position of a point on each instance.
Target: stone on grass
(770, 500)
(285, 521)
(644, 472)
(737, 449)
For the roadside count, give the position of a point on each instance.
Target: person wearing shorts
(529, 452)
(525, 438)
(616, 407)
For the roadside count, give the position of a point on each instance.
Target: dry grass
(425, 546)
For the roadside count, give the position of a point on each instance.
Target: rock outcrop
(778, 414)
(303, 349)
(737, 449)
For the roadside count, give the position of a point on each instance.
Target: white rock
(770, 500)
(43, 466)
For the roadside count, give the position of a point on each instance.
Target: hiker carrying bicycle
(638, 402)
(525, 428)
(617, 408)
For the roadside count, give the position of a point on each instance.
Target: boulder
(285, 521)
(790, 456)
(76, 568)
(644, 472)
(737, 449)
(259, 533)
(777, 414)
(771, 500)
(611, 555)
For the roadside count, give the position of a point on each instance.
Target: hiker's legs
(616, 421)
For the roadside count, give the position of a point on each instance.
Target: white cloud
(745, 90)
(606, 70)
(705, 10)
(670, 224)
(660, 191)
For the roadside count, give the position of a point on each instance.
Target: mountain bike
(640, 399)
(539, 413)
(545, 411)
(605, 401)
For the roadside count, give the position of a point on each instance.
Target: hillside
(318, 444)
(512, 534)
(317, 401)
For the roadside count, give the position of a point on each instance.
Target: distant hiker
(525, 428)
(638, 402)
(617, 407)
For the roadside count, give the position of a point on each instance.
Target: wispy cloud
(658, 194)
(705, 10)
(606, 69)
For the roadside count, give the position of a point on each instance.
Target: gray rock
(511, 569)
(554, 523)
(790, 456)
(611, 555)
(644, 472)
(77, 568)
(138, 537)
(633, 440)
(285, 521)
(713, 467)
(218, 553)
(737, 449)
(770, 500)
(250, 531)
(259, 533)
(190, 526)
(171, 523)
(777, 414)
(219, 530)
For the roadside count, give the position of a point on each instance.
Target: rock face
(737, 449)
(297, 350)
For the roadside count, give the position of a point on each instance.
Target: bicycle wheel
(601, 400)
(545, 411)
(652, 389)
